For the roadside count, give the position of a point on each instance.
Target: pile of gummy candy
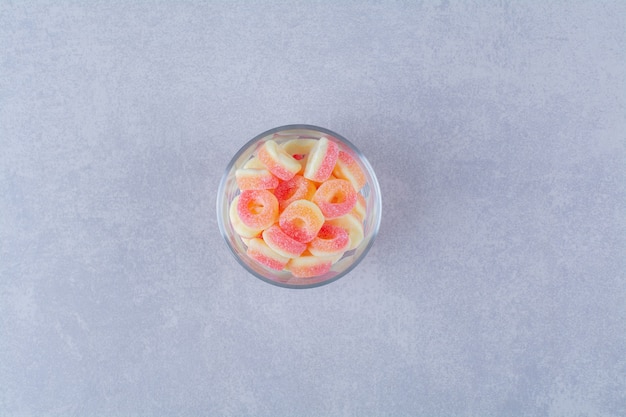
(299, 208)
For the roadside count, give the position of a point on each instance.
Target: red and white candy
(263, 254)
(299, 149)
(331, 240)
(282, 243)
(279, 162)
(301, 220)
(308, 266)
(353, 226)
(360, 208)
(240, 228)
(257, 209)
(335, 198)
(255, 179)
(348, 169)
(254, 163)
(321, 160)
(297, 188)
(299, 209)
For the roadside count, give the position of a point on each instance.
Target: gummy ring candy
(330, 240)
(297, 188)
(279, 162)
(307, 266)
(263, 254)
(241, 229)
(348, 169)
(257, 209)
(299, 149)
(283, 244)
(353, 226)
(335, 198)
(254, 163)
(301, 220)
(255, 179)
(321, 161)
(360, 208)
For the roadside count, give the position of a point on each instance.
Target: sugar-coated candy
(254, 163)
(282, 243)
(301, 220)
(332, 258)
(241, 229)
(317, 184)
(300, 207)
(279, 162)
(321, 160)
(308, 266)
(348, 169)
(353, 226)
(255, 179)
(257, 209)
(360, 208)
(262, 253)
(330, 240)
(298, 146)
(335, 258)
(299, 149)
(335, 198)
(297, 188)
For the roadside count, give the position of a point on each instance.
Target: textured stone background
(496, 287)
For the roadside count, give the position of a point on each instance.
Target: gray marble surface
(497, 284)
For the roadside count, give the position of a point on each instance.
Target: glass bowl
(228, 190)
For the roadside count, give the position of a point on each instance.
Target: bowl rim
(221, 195)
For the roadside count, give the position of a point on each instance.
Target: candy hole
(338, 197)
(299, 223)
(255, 207)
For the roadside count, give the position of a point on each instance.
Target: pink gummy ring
(307, 266)
(262, 253)
(283, 244)
(297, 188)
(335, 198)
(301, 220)
(257, 209)
(331, 240)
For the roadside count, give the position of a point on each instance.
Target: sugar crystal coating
(257, 209)
(297, 188)
(347, 168)
(308, 266)
(360, 208)
(321, 160)
(255, 179)
(279, 162)
(299, 149)
(301, 220)
(239, 227)
(299, 208)
(353, 226)
(335, 198)
(330, 240)
(262, 253)
(282, 243)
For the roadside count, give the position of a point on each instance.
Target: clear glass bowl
(228, 190)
